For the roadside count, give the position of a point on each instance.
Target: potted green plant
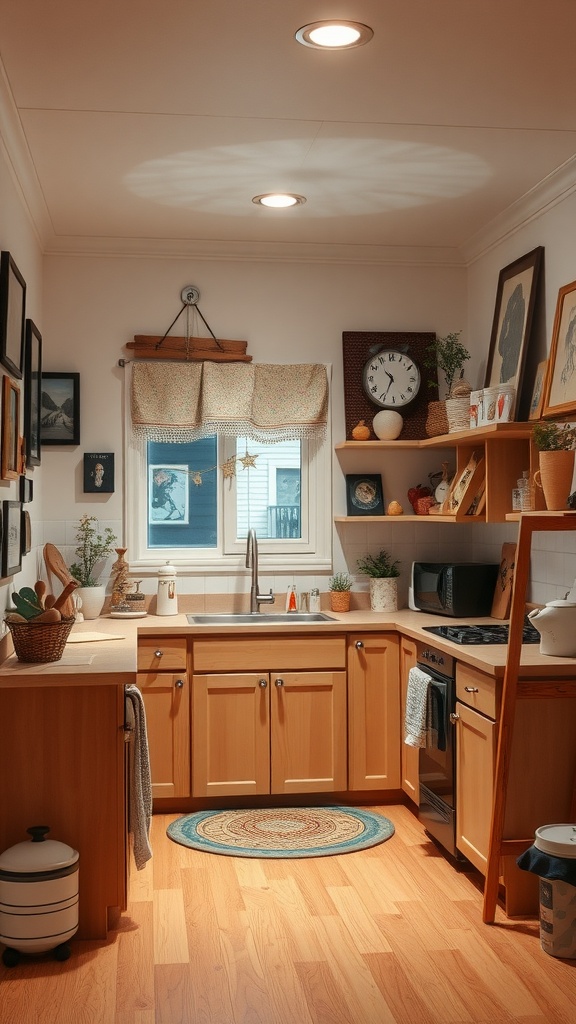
(555, 443)
(91, 550)
(448, 355)
(340, 585)
(383, 571)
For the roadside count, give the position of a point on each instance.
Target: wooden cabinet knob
(179, 684)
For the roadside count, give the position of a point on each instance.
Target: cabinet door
(475, 762)
(308, 732)
(409, 755)
(230, 734)
(373, 712)
(167, 704)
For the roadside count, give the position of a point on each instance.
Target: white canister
(167, 599)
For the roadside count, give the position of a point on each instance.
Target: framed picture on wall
(537, 400)
(32, 392)
(26, 489)
(99, 473)
(11, 537)
(512, 323)
(12, 315)
(560, 389)
(10, 464)
(364, 495)
(60, 408)
(26, 532)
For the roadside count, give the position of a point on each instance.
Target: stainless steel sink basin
(257, 618)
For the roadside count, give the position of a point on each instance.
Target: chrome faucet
(256, 599)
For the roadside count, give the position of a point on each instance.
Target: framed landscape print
(12, 314)
(60, 408)
(364, 495)
(10, 464)
(32, 392)
(11, 538)
(512, 323)
(560, 390)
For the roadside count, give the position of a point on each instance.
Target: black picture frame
(12, 315)
(32, 392)
(364, 496)
(11, 538)
(60, 409)
(99, 473)
(512, 323)
(26, 533)
(26, 489)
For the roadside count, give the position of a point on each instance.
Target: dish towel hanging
(417, 711)
(140, 793)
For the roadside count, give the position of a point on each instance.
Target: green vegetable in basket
(26, 602)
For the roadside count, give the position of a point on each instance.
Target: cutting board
(57, 567)
(504, 583)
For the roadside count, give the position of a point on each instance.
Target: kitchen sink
(257, 618)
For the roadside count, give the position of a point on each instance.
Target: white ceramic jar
(167, 599)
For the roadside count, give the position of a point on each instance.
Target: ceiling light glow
(279, 200)
(334, 35)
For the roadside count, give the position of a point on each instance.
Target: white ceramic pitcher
(556, 623)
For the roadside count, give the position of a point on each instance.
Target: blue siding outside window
(180, 512)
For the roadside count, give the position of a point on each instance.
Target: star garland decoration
(228, 468)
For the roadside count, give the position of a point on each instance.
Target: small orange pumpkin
(361, 432)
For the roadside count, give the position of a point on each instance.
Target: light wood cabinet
(271, 725)
(475, 761)
(409, 755)
(167, 705)
(373, 712)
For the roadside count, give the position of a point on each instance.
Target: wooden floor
(390, 935)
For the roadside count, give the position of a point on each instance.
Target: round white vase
(92, 599)
(387, 425)
(383, 594)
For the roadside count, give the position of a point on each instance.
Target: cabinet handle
(279, 682)
(454, 717)
(262, 683)
(359, 645)
(471, 689)
(158, 654)
(179, 684)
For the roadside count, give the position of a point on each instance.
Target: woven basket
(40, 641)
(436, 419)
(458, 413)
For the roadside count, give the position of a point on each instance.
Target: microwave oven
(454, 588)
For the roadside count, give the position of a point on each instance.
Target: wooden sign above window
(220, 350)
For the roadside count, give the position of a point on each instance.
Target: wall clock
(391, 378)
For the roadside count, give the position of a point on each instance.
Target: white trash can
(553, 858)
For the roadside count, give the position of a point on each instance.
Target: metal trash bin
(553, 858)
(38, 897)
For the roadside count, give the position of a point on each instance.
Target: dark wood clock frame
(357, 347)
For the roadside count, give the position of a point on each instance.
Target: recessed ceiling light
(279, 200)
(334, 35)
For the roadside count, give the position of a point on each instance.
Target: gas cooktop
(482, 633)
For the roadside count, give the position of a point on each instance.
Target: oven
(437, 761)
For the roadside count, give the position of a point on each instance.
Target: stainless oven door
(437, 807)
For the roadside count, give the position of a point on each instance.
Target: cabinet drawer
(477, 689)
(157, 654)
(245, 655)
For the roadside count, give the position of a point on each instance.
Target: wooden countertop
(110, 658)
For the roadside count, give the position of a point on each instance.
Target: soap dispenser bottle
(167, 599)
(291, 602)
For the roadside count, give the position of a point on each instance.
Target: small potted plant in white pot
(555, 443)
(340, 585)
(448, 355)
(383, 572)
(92, 548)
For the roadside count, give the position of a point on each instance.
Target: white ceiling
(148, 127)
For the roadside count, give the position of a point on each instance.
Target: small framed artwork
(11, 538)
(60, 408)
(32, 392)
(168, 491)
(364, 495)
(512, 323)
(11, 450)
(26, 489)
(560, 388)
(12, 315)
(26, 532)
(99, 473)
(537, 400)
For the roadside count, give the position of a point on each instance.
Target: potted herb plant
(448, 355)
(383, 571)
(340, 585)
(92, 548)
(555, 443)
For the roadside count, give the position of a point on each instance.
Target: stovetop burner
(481, 633)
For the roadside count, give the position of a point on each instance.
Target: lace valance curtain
(173, 401)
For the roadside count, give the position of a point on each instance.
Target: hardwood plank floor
(390, 935)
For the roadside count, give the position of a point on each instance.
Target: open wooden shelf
(497, 431)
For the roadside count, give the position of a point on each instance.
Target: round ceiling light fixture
(279, 200)
(334, 35)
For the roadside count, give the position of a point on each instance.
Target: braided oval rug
(281, 831)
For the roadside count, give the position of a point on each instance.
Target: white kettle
(556, 623)
(167, 599)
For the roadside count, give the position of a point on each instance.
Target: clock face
(391, 379)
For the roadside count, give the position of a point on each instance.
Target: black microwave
(454, 588)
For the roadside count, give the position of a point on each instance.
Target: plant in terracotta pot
(555, 443)
(91, 550)
(383, 571)
(340, 585)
